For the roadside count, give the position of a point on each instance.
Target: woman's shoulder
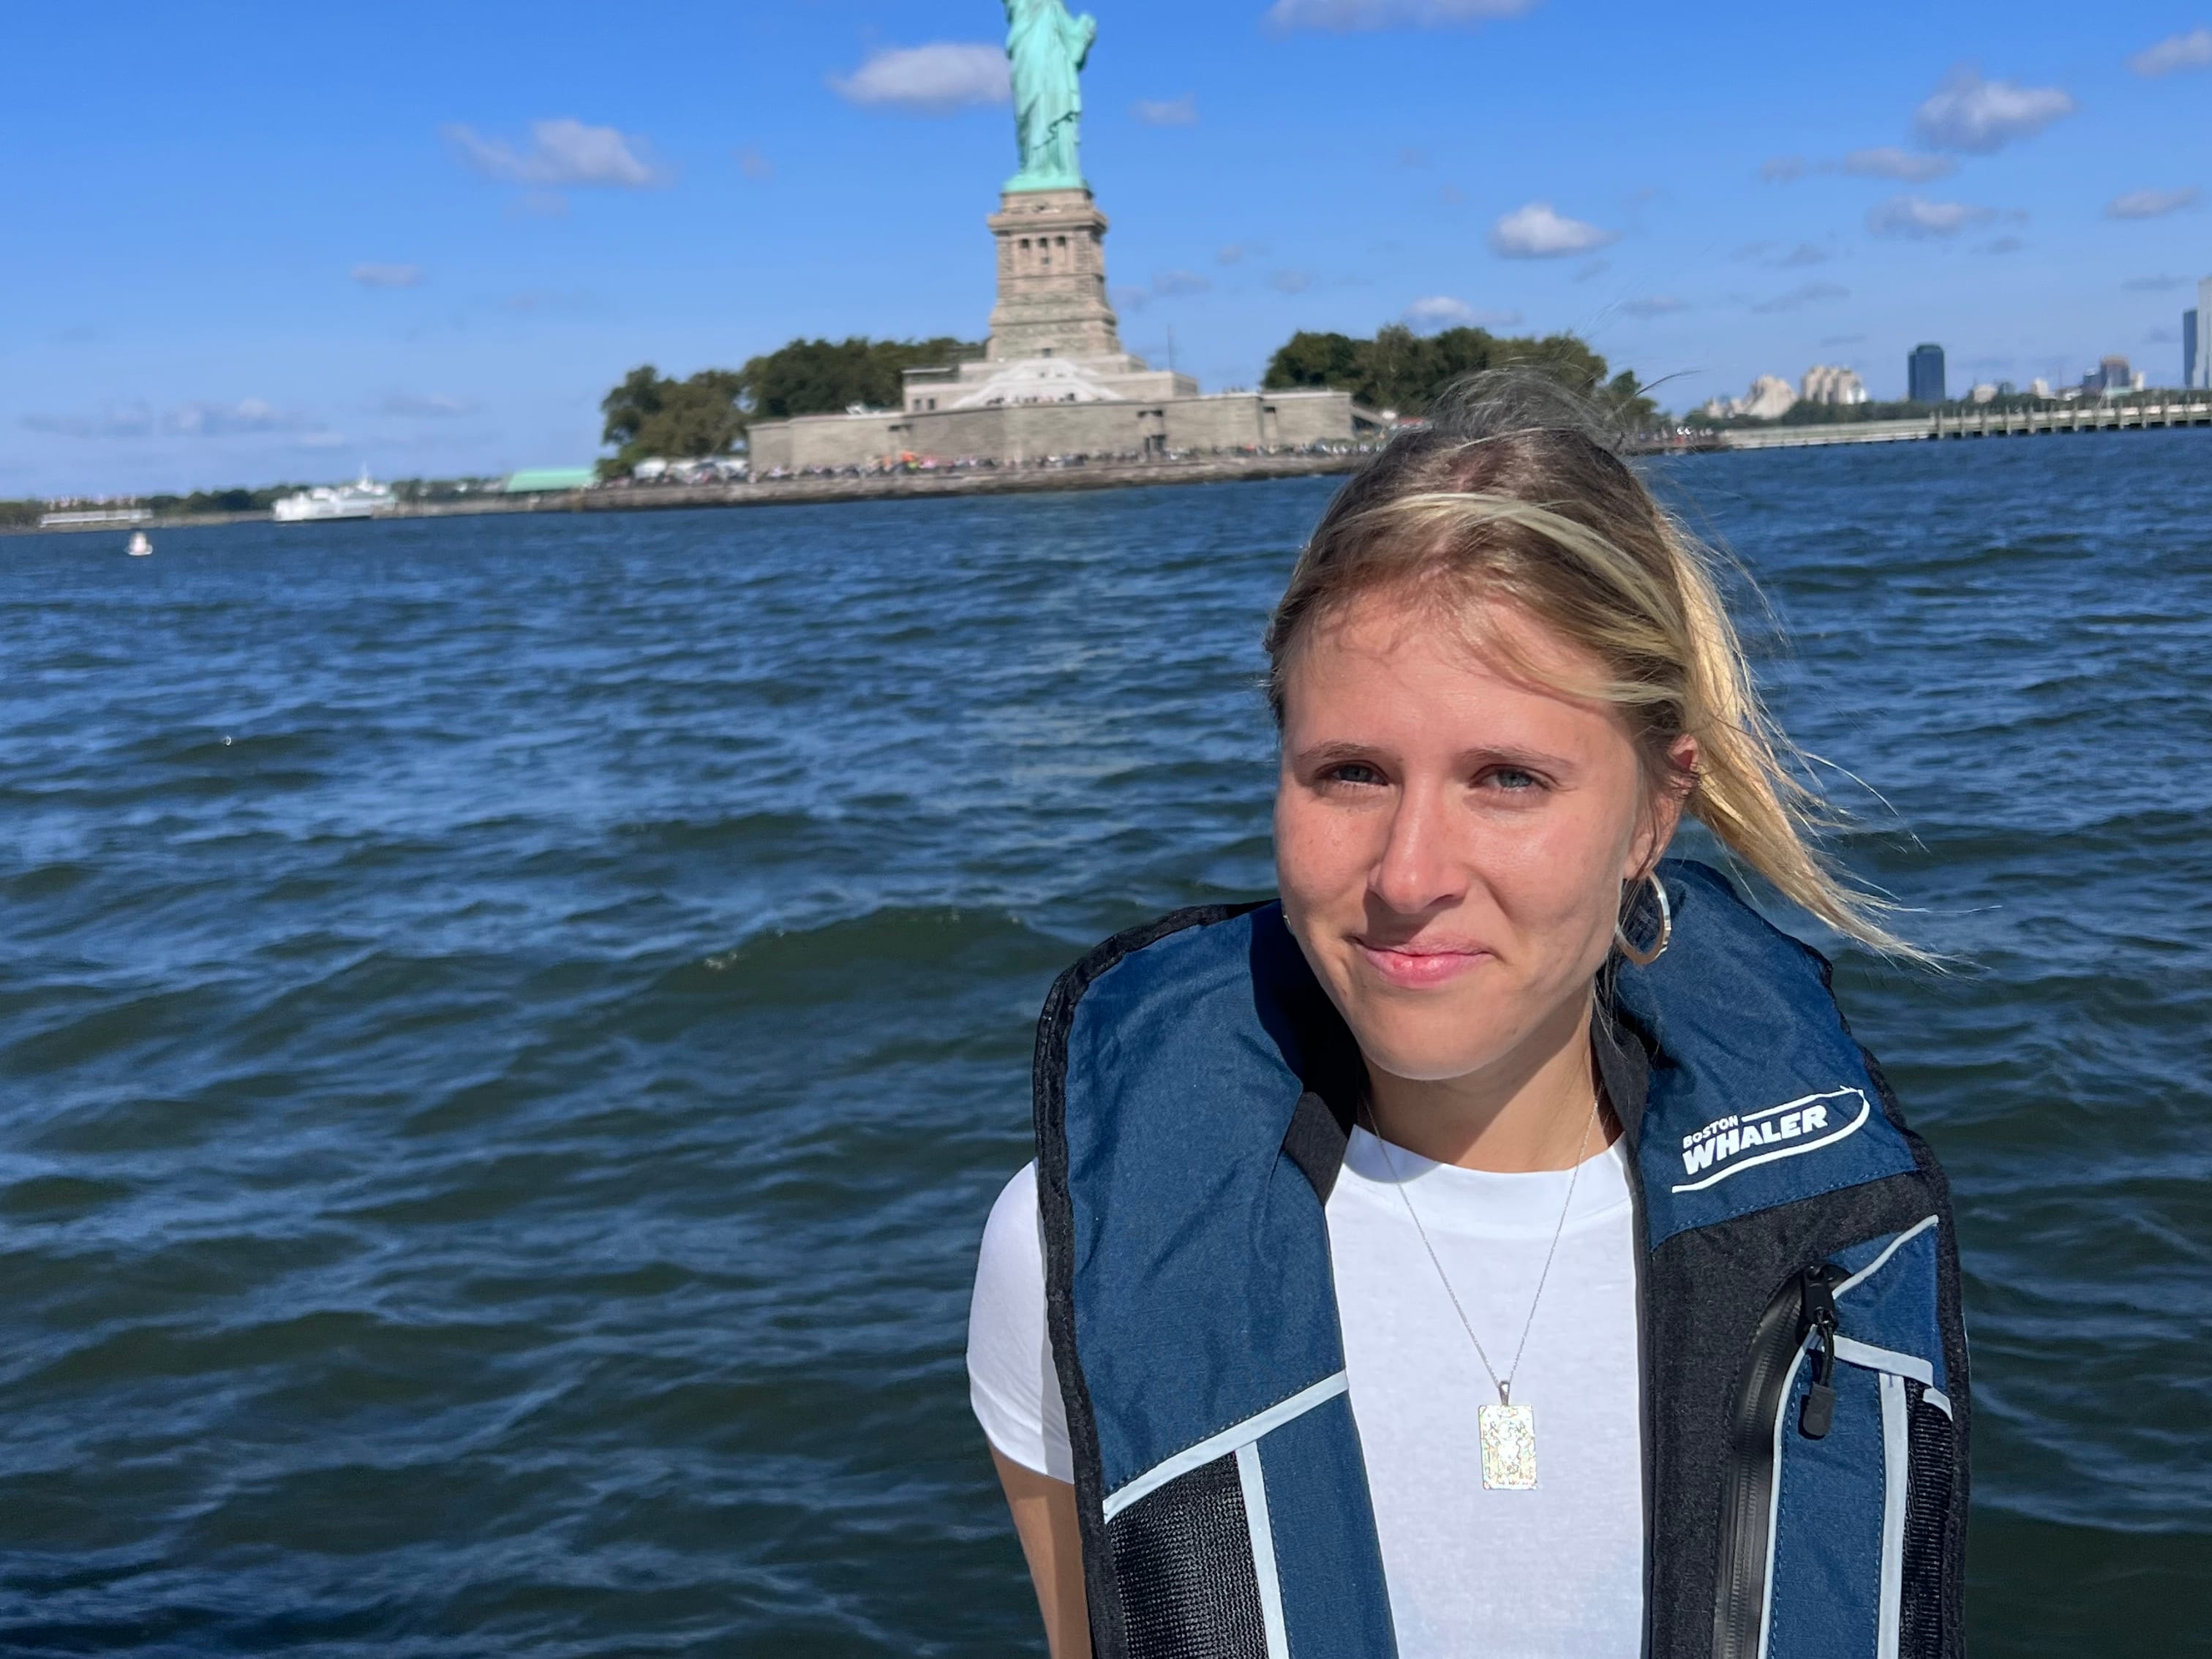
(1012, 1226)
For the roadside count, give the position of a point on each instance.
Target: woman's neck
(1529, 1110)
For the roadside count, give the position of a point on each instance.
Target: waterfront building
(2189, 348)
(1826, 383)
(1055, 380)
(1769, 399)
(1923, 374)
(2111, 375)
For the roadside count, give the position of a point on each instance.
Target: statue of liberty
(1048, 49)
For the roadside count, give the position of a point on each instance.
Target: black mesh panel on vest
(1183, 1556)
(1929, 1439)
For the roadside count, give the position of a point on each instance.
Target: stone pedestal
(1052, 279)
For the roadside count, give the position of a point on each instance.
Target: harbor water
(509, 1028)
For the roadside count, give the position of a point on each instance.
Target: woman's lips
(1414, 966)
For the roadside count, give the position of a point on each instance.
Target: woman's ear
(1670, 794)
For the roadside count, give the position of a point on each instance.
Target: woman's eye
(1352, 772)
(1514, 781)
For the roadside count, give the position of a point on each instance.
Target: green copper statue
(1048, 49)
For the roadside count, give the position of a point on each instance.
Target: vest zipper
(1806, 1301)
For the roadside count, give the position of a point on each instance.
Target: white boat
(361, 499)
(141, 547)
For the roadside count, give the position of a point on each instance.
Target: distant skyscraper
(1924, 373)
(2201, 369)
(2189, 348)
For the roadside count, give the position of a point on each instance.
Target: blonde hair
(1512, 491)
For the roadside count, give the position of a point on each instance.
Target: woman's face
(1451, 839)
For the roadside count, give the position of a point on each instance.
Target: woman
(1497, 1245)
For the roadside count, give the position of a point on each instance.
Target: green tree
(824, 377)
(1315, 360)
(650, 414)
(1406, 372)
(630, 405)
(1396, 372)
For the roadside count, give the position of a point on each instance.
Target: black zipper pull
(1818, 1415)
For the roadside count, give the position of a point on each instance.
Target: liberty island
(1054, 379)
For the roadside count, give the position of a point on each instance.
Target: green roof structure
(532, 479)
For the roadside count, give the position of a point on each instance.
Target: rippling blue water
(509, 1027)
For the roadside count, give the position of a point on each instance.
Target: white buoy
(141, 547)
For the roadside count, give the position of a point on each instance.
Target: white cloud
(1887, 162)
(1171, 284)
(1132, 299)
(413, 406)
(1343, 15)
(1443, 311)
(117, 421)
(248, 417)
(2002, 245)
(1783, 259)
(2155, 284)
(372, 276)
(1168, 112)
(1979, 118)
(1657, 305)
(1536, 232)
(755, 166)
(2192, 51)
(1918, 219)
(1782, 169)
(562, 152)
(1806, 293)
(2151, 203)
(1290, 281)
(930, 80)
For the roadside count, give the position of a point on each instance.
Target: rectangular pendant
(1509, 1447)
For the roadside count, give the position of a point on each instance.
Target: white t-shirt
(1555, 1573)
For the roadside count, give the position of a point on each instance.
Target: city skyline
(433, 248)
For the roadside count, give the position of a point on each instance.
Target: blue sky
(250, 242)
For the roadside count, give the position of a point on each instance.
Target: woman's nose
(1420, 866)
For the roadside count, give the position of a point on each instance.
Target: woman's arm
(1045, 1516)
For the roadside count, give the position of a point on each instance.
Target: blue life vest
(1803, 1363)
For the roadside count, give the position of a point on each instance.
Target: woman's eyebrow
(1338, 751)
(1511, 754)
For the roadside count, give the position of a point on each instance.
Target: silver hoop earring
(1641, 956)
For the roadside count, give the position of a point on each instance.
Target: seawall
(793, 492)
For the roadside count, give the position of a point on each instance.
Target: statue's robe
(1048, 49)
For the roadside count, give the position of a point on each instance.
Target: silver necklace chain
(1503, 1384)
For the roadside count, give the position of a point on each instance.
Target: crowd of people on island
(724, 469)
